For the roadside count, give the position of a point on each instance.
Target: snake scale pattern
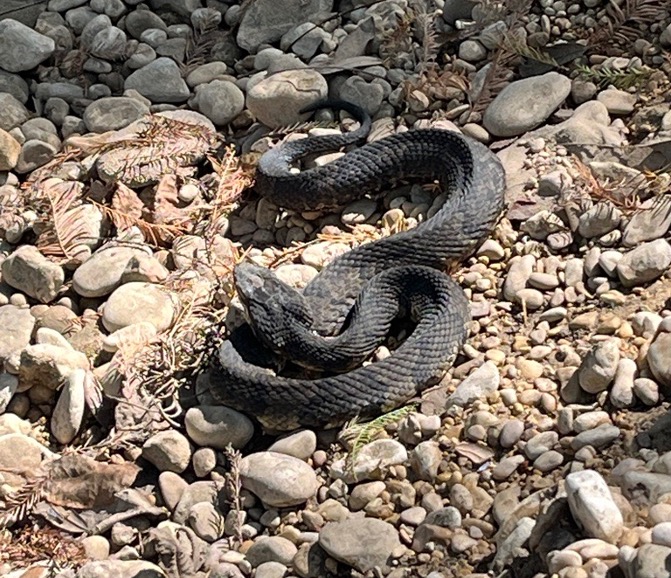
(347, 310)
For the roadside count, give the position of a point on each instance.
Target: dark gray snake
(347, 310)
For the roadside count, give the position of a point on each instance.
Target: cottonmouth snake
(346, 311)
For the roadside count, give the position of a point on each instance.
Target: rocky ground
(128, 137)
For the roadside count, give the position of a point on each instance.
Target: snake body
(347, 309)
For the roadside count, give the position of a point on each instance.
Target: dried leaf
(127, 210)
(126, 202)
(474, 452)
(166, 211)
(78, 481)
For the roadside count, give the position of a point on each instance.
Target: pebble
(525, 104)
(101, 273)
(485, 379)
(510, 433)
(113, 113)
(645, 263)
(276, 100)
(646, 390)
(16, 329)
(300, 445)
(217, 427)
(27, 270)
(598, 437)
(659, 359)
(219, 100)
(425, 460)
(364, 493)
(362, 543)
(68, 414)
(139, 302)
(617, 101)
(648, 224)
(372, 461)
(622, 392)
(21, 47)
(592, 505)
(168, 451)
(271, 549)
(277, 479)
(599, 367)
(548, 461)
(160, 81)
(125, 568)
(271, 570)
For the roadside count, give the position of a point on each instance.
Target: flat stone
(645, 263)
(276, 100)
(218, 426)
(525, 104)
(136, 302)
(168, 451)
(485, 379)
(159, 81)
(262, 23)
(277, 479)
(101, 273)
(21, 48)
(16, 329)
(592, 505)
(113, 113)
(27, 270)
(362, 543)
(220, 101)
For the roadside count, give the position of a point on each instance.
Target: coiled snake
(346, 311)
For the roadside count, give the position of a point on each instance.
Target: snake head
(273, 307)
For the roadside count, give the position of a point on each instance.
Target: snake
(348, 309)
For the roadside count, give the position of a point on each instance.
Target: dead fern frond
(235, 175)
(516, 44)
(60, 229)
(496, 78)
(32, 545)
(626, 199)
(234, 489)
(156, 234)
(425, 26)
(162, 146)
(199, 45)
(397, 40)
(20, 504)
(300, 127)
(625, 23)
(173, 358)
